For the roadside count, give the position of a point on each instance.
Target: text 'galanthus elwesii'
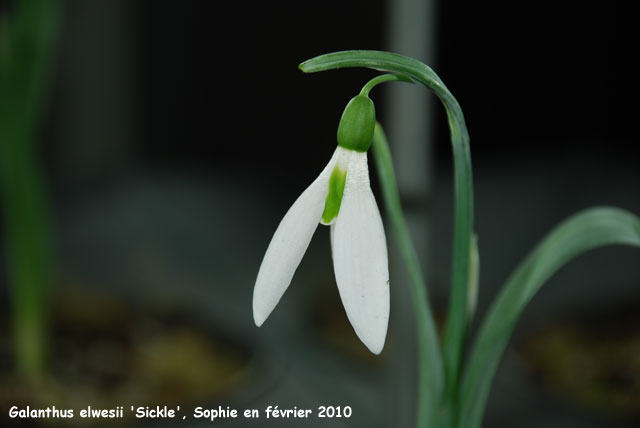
(341, 197)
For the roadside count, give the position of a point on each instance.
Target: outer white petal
(332, 234)
(360, 258)
(288, 245)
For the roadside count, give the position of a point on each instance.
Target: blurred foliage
(27, 35)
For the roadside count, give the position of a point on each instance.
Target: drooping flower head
(341, 197)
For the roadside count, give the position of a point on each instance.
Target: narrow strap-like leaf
(430, 370)
(582, 232)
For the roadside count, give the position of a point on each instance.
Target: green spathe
(355, 131)
(334, 197)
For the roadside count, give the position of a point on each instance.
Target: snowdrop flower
(340, 197)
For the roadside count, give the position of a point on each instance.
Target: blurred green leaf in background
(27, 37)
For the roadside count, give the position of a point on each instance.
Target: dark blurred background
(176, 135)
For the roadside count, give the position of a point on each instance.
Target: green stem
(381, 79)
(430, 379)
(457, 321)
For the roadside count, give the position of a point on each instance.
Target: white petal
(360, 258)
(332, 233)
(288, 245)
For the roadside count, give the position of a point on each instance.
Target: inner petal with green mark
(334, 196)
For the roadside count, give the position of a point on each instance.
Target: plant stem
(381, 79)
(457, 318)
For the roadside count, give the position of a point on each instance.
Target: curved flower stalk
(341, 197)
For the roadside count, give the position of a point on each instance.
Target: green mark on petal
(334, 197)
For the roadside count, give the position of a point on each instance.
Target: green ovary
(334, 197)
